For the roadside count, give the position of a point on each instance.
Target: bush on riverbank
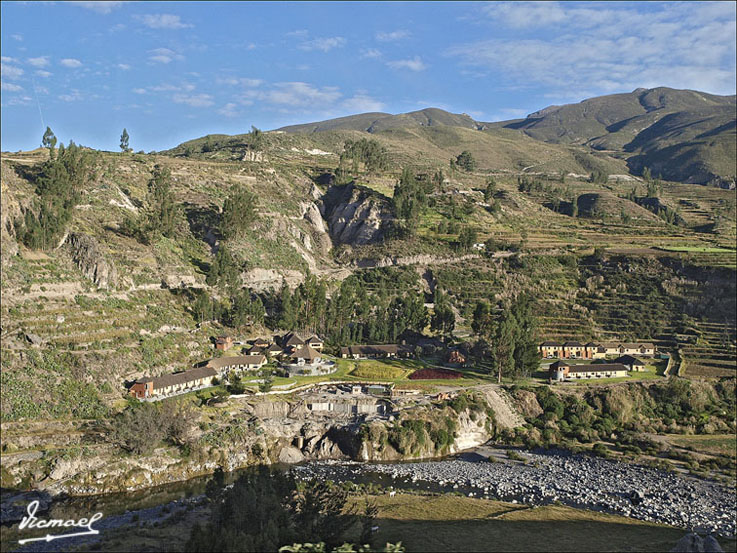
(623, 413)
(428, 431)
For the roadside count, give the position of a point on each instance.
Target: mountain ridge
(378, 121)
(650, 128)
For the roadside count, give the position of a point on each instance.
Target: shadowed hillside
(681, 135)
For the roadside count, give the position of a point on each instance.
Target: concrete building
(561, 371)
(238, 363)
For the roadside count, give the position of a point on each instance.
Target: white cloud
(323, 44)
(243, 81)
(251, 82)
(41, 61)
(371, 53)
(229, 110)
(575, 50)
(7, 59)
(194, 100)
(19, 101)
(292, 95)
(139, 91)
(74, 96)
(17, 36)
(10, 87)
(10, 71)
(362, 103)
(170, 87)
(44, 74)
(164, 55)
(414, 64)
(526, 14)
(302, 94)
(102, 6)
(123, 66)
(299, 33)
(392, 36)
(71, 62)
(163, 21)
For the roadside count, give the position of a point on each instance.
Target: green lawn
(654, 369)
(395, 371)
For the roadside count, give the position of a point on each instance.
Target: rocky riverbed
(579, 481)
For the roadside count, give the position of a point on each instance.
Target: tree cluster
(465, 161)
(140, 428)
(239, 213)
(410, 199)
(443, 319)
(267, 509)
(357, 312)
(365, 151)
(467, 238)
(255, 139)
(58, 186)
(161, 215)
(124, 142)
(507, 337)
(598, 176)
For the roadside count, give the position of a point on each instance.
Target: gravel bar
(579, 481)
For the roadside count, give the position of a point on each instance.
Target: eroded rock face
(261, 280)
(527, 403)
(89, 259)
(355, 216)
(9, 211)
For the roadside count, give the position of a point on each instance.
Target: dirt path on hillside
(505, 413)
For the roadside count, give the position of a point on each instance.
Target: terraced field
(714, 353)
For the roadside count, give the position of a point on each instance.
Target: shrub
(600, 450)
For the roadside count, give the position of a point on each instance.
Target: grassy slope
(452, 523)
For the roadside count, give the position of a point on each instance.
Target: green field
(456, 523)
(697, 249)
(714, 444)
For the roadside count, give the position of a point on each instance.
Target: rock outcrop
(261, 280)
(355, 215)
(10, 210)
(86, 254)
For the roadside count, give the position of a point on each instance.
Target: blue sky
(172, 71)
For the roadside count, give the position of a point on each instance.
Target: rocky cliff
(86, 254)
(355, 215)
(278, 432)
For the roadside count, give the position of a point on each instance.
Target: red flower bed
(435, 374)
